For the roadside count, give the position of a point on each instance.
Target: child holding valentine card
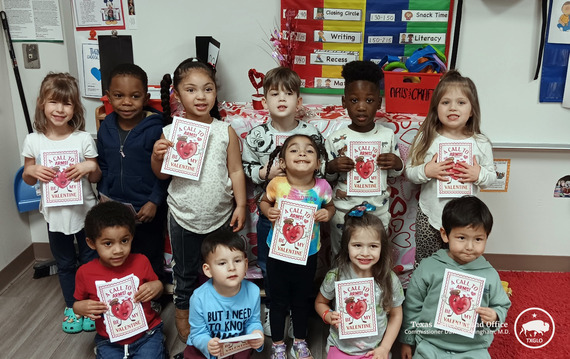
(124, 142)
(225, 306)
(109, 228)
(454, 116)
(291, 284)
(59, 123)
(365, 252)
(363, 154)
(466, 224)
(197, 208)
(281, 89)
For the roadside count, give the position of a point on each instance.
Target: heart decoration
(355, 309)
(459, 305)
(291, 232)
(60, 179)
(123, 310)
(186, 149)
(96, 73)
(364, 169)
(256, 79)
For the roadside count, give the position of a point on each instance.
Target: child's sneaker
(278, 351)
(300, 349)
(266, 324)
(88, 324)
(71, 323)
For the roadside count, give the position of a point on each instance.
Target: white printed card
(61, 191)
(355, 301)
(236, 344)
(125, 318)
(460, 295)
(293, 231)
(459, 152)
(190, 140)
(364, 180)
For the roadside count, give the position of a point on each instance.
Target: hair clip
(359, 210)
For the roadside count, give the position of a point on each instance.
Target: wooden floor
(31, 312)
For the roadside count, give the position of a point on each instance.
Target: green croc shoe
(88, 324)
(71, 323)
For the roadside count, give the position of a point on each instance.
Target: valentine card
(459, 152)
(460, 295)
(61, 191)
(280, 139)
(236, 344)
(124, 318)
(190, 140)
(293, 231)
(364, 180)
(355, 302)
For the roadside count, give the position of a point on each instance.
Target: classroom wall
(498, 44)
(15, 235)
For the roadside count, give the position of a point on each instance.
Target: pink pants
(192, 353)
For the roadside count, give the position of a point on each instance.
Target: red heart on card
(355, 309)
(186, 149)
(123, 310)
(60, 179)
(292, 232)
(256, 78)
(364, 169)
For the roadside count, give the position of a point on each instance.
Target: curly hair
(362, 71)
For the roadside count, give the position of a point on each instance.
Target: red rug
(550, 293)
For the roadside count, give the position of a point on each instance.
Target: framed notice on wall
(503, 169)
(331, 33)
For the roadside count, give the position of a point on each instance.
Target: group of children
(285, 158)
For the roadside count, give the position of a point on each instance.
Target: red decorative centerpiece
(256, 79)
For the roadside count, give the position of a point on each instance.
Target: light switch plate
(31, 56)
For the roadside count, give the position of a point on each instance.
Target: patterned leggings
(428, 239)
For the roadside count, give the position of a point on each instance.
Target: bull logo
(534, 328)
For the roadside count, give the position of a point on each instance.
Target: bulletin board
(331, 33)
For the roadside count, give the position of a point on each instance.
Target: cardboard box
(409, 92)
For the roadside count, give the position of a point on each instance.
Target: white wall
(498, 45)
(15, 234)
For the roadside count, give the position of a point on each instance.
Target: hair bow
(359, 210)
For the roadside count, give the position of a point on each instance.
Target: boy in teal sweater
(467, 223)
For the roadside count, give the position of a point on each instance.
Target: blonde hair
(429, 129)
(61, 87)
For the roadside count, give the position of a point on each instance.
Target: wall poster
(331, 33)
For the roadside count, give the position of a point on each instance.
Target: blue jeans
(63, 250)
(263, 227)
(149, 346)
(186, 261)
